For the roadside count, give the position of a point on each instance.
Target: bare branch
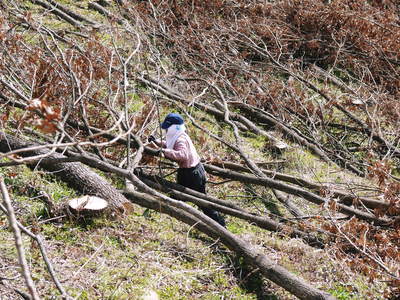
(18, 241)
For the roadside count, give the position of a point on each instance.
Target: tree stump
(87, 205)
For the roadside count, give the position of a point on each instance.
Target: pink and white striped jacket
(183, 152)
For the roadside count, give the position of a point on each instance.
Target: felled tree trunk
(82, 178)
(267, 267)
(75, 174)
(296, 191)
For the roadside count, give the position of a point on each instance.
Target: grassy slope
(116, 259)
(126, 258)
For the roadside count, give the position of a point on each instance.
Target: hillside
(293, 107)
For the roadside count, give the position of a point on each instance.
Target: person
(179, 147)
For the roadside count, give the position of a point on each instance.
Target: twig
(44, 255)
(18, 241)
(377, 261)
(90, 258)
(52, 219)
(9, 278)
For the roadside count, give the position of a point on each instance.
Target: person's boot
(220, 219)
(215, 215)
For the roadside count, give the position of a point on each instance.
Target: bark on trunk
(75, 174)
(185, 194)
(343, 197)
(268, 268)
(293, 190)
(72, 173)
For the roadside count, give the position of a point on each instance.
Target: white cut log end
(88, 204)
(281, 145)
(150, 295)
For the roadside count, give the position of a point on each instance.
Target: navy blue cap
(171, 119)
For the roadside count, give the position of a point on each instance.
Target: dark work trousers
(195, 179)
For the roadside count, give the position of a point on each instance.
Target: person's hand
(160, 153)
(151, 138)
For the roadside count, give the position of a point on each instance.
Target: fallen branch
(59, 13)
(71, 13)
(186, 194)
(307, 195)
(9, 211)
(318, 150)
(268, 268)
(43, 252)
(75, 174)
(345, 198)
(284, 199)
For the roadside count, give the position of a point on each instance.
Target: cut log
(87, 205)
(75, 174)
(151, 199)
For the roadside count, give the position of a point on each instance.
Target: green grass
(98, 258)
(341, 293)
(120, 258)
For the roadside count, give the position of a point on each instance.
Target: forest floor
(146, 254)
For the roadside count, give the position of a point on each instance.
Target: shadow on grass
(250, 279)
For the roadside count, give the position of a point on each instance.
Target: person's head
(172, 119)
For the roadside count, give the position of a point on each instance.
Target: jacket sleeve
(180, 153)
